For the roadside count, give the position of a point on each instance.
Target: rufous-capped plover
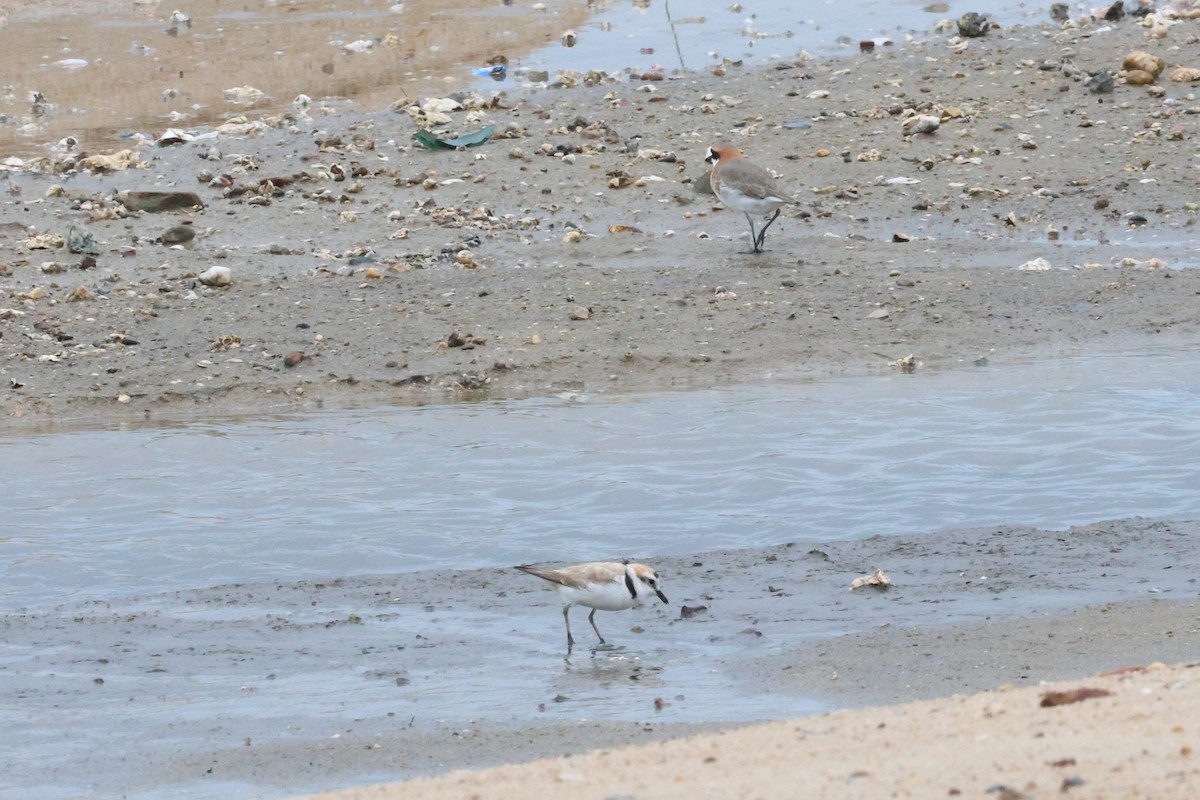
(745, 187)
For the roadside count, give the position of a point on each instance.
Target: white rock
(1037, 265)
(216, 276)
(922, 123)
(442, 105)
(244, 95)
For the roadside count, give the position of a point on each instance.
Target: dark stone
(158, 202)
(973, 25)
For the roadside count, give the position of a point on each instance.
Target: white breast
(611, 596)
(732, 198)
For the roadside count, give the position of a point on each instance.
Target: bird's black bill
(661, 596)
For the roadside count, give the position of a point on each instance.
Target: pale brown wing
(552, 575)
(750, 180)
(578, 575)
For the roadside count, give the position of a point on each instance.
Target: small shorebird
(745, 187)
(601, 586)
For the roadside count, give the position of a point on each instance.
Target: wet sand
(132, 68)
(573, 255)
(1134, 739)
(269, 688)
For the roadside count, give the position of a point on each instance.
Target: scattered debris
(244, 96)
(432, 141)
(877, 579)
(1050, 699)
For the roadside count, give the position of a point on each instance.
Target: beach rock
(178, 234)
(114, 162)
(972, 25)
(153, 202)
(1067, 696)
(80, 240)
(920, 123)
(216, 276)
(44, 241)
(877, 579)
(293, 358)
(1185, 75)
(244, 95)
(1100, 83)
(1146, 62)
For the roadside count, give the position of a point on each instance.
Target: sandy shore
(1136, 738)
(572, 254)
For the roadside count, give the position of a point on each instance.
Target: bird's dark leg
(762, 235)
(592, 619)
(570, 638)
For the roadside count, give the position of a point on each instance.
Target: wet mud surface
(571, 252)
(277, 688)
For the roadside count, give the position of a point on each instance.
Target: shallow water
(105, 514)
(111, 537)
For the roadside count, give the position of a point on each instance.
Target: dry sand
(1135, 740)
(571, 253)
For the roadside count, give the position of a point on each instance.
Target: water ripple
(111, 513)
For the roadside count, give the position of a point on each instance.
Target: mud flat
(265, 689)
(571, 252)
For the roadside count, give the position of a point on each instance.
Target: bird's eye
(650, 581)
